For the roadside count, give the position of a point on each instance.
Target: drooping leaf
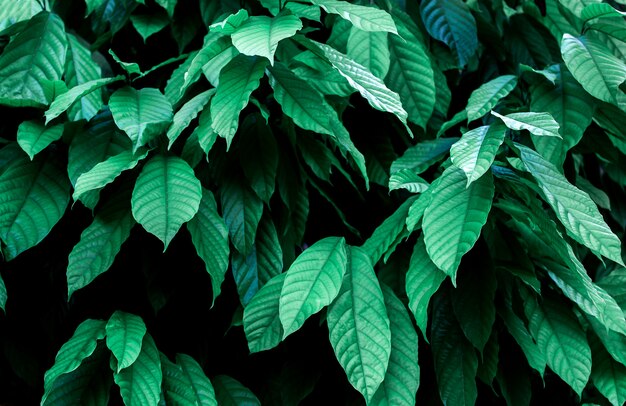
(539, 124)
(450, 21)
(32, 62)
(166, 195)
(34, 137)
(363, 17)
(403, 373)
(453, 220)
(358, 325)
(210, 238)
(423, 155)
(312, 282)
(187, 113)
(259, 156)
(407, 179)
(230, 392)
(215, 53)
(141, 114)
(140, 383)
(81, 68)
(149, 24)
(124, 336)
(168, 5)
(238, 79)
(202, 389)
(260, 35)
(261, 320)
(370, 49)
(476, 150)
(608, 375)
(487, 96)
(34, 196)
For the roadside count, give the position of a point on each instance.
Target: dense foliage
(289, 202)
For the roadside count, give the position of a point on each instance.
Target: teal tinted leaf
(168, 5)
(423, 279)
(476, 150)
(104, 173)
(403, 373)
(417, 209)
(452, 22)
(130, 67)
(410, 72)
(574, 208)
(141, 114)
(487, 96)
(213, 67)
(261, 321)
(310, 12)
(363, 17)
(99, 243)
(125, 333)
(34, 196)
(215, 45)
(81, 68)
(230, 392)
(174, 89)
(312, 282)
(370, 49)
(32, 62)
(66, 100)
(149, 24)
(242, 210)
(358, 325)
(453, 220)
(407, 179)
(34, 137)
(238, 79)
(202, 389)
(613, 342)
(166, 195)
(259, 157)
(455, 359)
(111, 15)
(600, 10)
(517, 328)
(562, 341)
(140, 383)
(205, 134)
(210, 238)
(617, 31)
(17, 11)
(423, 155)
(187, 113)
(260, 35)
(3, 294)
(230, 24)
(539, 124)
(598, 71)
(80, 346)
(608, 375)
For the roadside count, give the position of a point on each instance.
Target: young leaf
(261, 321)
(487, 96)
(210, 238)
(539, 124)
(453, 220)
(230, 392)
(81, 68)
(34, 137)
(403, 373)
(187, 114)
(574, 208)
(312, 282)
(238, 79)
(142, 114)
(370, 49)
(260, 35)
(362, 17)
(125, 333)
(476, 150)
(166, 195)
(358, 325)
(140, 383)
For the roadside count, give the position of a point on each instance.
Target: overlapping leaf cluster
(493, 130)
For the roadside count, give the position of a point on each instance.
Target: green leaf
(125, 333)
(423, 279)
(80, 68)
(32, 62)
(149, 24)
(210, 238)
(259, 156)
(99, 243)
(562, 341)
(600, 10)
(34, 198)
(539, 124)
(370, 49)
(613, 342)
(187, 113)
(261, 321)
(598, 71)
(230, 24)
(66, 100)
(407, 179)
(476, 150)
(312, 282)
(574, 208)
(17, 11)
(452, 22)
(185, 383)
(141, 114)
(455, 359)
(3, 294)
(168, 5)
(242, 210)
(487, 96)
(362, 17)
(80, 346)
(202, 389)
(215, 47)
(238, 79)
(403, 373)
(410, 72)
(260, 35)
(358, 325)
(617, 31)
(230, 392)
(166, 195)
(34, 137)
(453, 220)
(140, 383)
(423, 155)
(129, 67)
(516, 327)
(607, 375)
